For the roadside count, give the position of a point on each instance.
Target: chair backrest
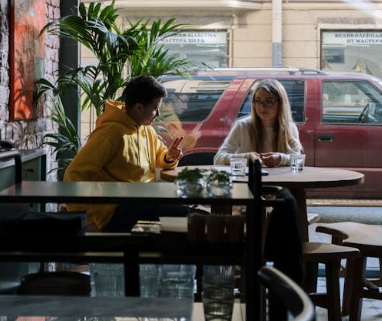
(296, 301)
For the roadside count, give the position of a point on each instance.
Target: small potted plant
(190, 182)
(218, 183)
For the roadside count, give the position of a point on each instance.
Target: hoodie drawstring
(147, 148)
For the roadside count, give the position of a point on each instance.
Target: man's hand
(174, 151)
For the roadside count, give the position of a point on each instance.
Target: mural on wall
(27, 55)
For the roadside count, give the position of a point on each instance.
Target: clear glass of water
(297, 162)
(218, 292)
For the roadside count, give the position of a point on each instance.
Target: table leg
(300, 195)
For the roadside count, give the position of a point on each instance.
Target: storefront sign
(352, 38)
(197, 38)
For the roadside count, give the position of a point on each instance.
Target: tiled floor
(371, 309)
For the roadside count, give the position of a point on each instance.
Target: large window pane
(352, 50)
(208, 47)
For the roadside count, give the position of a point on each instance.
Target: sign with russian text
(352, 38)
(205, 37)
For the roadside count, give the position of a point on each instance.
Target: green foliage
(218, 176)
(190, 175)
(120, 55)
(66, 142)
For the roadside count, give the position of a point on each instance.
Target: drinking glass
(218, 292)
(297, 162)
(177, 281)
(238, 166)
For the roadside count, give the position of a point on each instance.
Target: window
(191, 100)
(201, 47)
(352, 50)
(351, 102)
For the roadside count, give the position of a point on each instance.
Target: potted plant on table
(218, 183)
(190, 182)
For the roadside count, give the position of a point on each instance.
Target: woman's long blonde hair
(284, 142)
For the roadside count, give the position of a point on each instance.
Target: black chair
(291, 294)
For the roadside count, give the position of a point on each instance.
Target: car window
(296, 94)
(191, 100)
(351, 102)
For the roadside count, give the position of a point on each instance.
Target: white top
(238, 141)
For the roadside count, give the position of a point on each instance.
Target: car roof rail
(258, 70)
(312, 70)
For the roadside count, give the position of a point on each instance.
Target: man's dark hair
(143, 89)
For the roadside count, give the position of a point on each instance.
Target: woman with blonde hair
(269, 132)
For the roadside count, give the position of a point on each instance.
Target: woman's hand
(252, 155)
(174, 151)
(270, 159)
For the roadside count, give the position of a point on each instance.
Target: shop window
(352, 50)
(200, 47)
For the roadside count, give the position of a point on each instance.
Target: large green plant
(121, 54)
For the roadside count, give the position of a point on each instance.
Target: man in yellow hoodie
(124, 147)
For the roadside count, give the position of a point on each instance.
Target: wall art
(27, 19)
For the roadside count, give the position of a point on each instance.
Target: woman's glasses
(266, 103)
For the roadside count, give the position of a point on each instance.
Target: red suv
(339, 116)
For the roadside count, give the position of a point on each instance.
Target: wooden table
(310, 177)
(75, 307)
(248, 255)
(133, 308)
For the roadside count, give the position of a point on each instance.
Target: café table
(298, 183)
(133, 193)
(76, 307)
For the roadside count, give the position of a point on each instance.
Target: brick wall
(27, 134)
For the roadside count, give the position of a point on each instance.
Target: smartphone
(264, 172)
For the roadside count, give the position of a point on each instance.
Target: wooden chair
(291, 294)
(314, 253)
(368, 239)
(330, 255)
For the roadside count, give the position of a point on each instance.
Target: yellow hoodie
(117, 150)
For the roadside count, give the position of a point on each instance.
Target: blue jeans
(126, 216)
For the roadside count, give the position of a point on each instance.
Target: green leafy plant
(190, 175)
(66, 142)
(218, 176)
(120, 55)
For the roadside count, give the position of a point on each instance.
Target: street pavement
(362, 214)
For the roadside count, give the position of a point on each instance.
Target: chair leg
(333, 290)
(350, 285)
(310, 280)
(357, 273)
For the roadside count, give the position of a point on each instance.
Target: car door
(350, 132)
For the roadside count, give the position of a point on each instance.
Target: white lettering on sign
(197, 37)
(352, 38)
